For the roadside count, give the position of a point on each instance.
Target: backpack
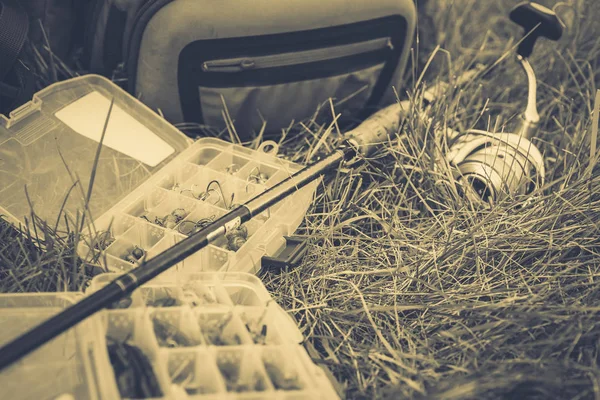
(31, 33)
(198, 62)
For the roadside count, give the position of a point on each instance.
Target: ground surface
(409, 291)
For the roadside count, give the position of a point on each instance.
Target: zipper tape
(293, 58)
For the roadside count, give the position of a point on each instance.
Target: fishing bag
(30, 31)
(16, 79)
(265, 60)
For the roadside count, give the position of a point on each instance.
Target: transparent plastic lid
(60, 366)
(48, 147)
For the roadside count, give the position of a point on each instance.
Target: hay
(409, 290)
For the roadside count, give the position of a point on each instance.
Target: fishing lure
(133, 372)
(164, 302)
(213, 331)
(258, 177)
(125, 302)
(236, 238)
(103, 240)
(190, 227)
(232, 169)
(257, 327)
(168, 335)
(234, 382)
(168, 300)
(135, 255)
(171, 220)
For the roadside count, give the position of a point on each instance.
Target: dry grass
(408, 290)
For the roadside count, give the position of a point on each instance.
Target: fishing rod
(360, 142)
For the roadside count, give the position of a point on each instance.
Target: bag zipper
(288, 59)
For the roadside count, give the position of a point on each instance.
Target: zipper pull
(228, 65)
(389, 44)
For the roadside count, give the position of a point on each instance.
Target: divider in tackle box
(134, 354)
(163, 244)
(146, 202)
(195, 371)
(206, 154)
(243, 294)
(243, 371)
(209, 259)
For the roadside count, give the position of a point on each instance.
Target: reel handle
(538, 21)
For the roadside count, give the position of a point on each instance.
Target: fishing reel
(492, 165)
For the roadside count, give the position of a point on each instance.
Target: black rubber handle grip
(538, 21)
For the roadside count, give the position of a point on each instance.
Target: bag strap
(14, 26)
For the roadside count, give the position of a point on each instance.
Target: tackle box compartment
(152, 185)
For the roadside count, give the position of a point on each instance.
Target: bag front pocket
(285, 77)
(291, 86)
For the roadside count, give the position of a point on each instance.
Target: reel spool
(496, 165)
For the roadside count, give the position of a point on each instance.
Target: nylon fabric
(14, 27)
(295, 100)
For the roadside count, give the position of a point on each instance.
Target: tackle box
(210, 335)
(152, 185)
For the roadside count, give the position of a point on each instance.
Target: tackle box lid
(62, 365)
(48, 147)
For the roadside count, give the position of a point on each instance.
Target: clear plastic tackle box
(214, 335)
(152, 186)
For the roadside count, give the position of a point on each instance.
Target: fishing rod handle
(378, 128)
